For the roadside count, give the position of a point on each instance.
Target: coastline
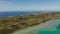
(26, 22)
(41, 26)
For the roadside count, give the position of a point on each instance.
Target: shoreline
(25, 22)
(33, 28)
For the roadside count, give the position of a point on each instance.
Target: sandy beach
(42, 26)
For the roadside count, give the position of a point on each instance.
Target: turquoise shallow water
(53, 24)
(46, 32)
(50, 27)
(49, 32)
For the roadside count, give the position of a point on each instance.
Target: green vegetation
(9, 25)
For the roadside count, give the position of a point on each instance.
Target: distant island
(10, 24)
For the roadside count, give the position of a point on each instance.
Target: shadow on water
(58, 27)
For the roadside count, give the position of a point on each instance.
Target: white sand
(40, 26)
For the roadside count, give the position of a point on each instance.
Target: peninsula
(10, 24)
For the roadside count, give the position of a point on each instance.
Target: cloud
(5, 2)
(7, 5)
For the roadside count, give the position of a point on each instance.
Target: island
(10, 24)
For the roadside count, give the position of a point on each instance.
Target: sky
(29, 5)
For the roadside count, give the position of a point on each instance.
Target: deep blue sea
(53, 25)
(12, 13)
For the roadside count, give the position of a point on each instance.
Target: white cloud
(5, 2)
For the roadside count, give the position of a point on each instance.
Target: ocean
(14, 13)
(50, 27)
